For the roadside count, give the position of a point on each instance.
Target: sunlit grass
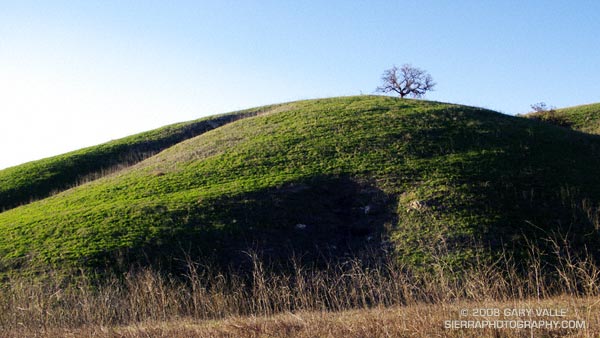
(430, 169)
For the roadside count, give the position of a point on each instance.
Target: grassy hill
(321, 178)
(35, 180)
(585, 118)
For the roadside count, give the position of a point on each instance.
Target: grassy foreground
(352, 299)
(408, 321)
(361, 297)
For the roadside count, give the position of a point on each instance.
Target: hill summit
(427, 181)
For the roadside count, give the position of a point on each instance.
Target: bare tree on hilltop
(407, 80)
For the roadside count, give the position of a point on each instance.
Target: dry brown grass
(353, 298)
(420, 320)
(409, 321)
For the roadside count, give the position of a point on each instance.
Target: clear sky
(79, 73)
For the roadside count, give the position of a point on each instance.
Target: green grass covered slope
(429, 181)
(34, 180)
(585, 118)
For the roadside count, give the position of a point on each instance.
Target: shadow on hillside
(316, 221)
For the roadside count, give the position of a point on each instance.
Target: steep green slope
(38, 179)
(326, 177)
(585, 118)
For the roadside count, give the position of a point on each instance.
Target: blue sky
(79, 73)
